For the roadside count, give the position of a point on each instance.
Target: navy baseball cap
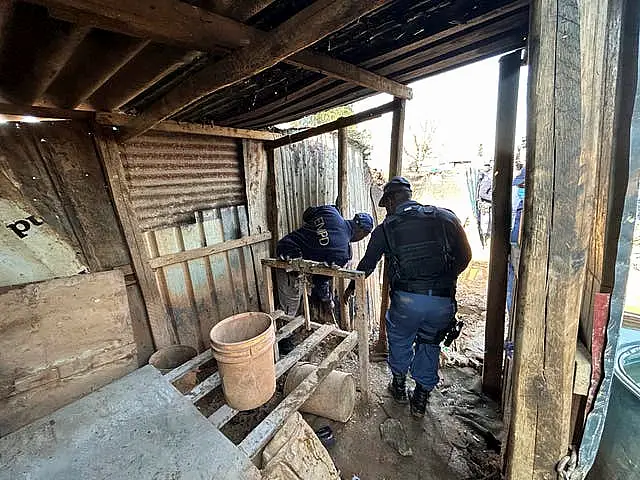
(396, 184)
(364, 221)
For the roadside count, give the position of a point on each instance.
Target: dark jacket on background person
(325, 236)
(426, 248)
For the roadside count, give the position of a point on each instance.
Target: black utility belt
(433, 292)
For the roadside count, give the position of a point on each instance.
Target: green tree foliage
(359, 136)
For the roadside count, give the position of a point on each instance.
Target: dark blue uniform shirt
(460, 249)
(324, 237)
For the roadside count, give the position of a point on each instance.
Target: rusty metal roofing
(406, 40)
(170, 176)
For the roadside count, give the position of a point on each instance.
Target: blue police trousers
(413, 324)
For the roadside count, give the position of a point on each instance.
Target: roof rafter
(241, 10)
(430, 47)
(303, 29)
(175, 22)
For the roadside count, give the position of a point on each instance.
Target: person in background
(485, 202)
(426, 249)
(518, 206)
(325, 236)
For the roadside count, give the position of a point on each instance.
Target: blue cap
(396, 184)
(364, 221)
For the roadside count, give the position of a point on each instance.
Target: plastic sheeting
(595, 421)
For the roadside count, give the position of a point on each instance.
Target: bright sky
(460, 104)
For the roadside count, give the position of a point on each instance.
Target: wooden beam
(313, 268)
(44, 112)
(119, 120)
(454, 34)
(191, 27)
(144, 70)
(342, 201)
(179, 257)
(342, 122)
(260, 436)
(166, 21)
(397, 136)
(300, 31)
(171, 29)
(161, 326)
(49, 61)
(76, 82)
(557, 221)
(500, 222)
(348, 72)
(241, 10)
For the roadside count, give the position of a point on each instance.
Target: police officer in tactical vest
(426, 249)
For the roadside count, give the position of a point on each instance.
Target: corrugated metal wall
(172, 175)
(188, 192)
(307, 175)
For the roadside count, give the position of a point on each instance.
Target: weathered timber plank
(64, 338)
(178, 257)
(170, 126)
(314, 268)
(331, 126)
(162, 329)
(298, 32)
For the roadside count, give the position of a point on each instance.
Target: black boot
(418, 401)
(398, 388)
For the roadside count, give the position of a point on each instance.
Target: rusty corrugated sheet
(171, 176)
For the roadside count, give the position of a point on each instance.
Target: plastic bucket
(243, 347)
(335, 397)
(168, 358)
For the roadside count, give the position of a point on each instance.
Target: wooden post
(256, 175)
(557, 221)
(343, 205)
(268, 286)
(164, 333)
(397, 136)
(501, 222)
(395, 169)
(272, 201)
(343, 176)
(362, 326)
(305, 303)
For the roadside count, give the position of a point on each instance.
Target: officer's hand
(348, 293)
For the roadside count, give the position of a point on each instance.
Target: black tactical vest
(420, 255)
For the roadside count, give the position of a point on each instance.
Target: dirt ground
(459, 438)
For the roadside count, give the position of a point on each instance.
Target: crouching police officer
(426, 249)
(325, 236)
